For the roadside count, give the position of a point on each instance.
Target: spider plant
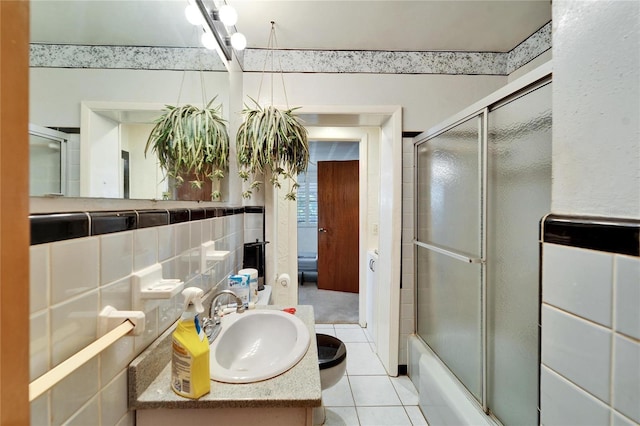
(191, 143)
(271, 140)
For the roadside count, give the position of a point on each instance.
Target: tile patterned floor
(366, 396)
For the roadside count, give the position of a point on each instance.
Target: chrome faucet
(211, 324)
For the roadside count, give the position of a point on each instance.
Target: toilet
(332, 360)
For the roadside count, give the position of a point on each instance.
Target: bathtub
(442, 399)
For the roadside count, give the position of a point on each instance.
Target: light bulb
(208, 41)
(238, 41)
(228, 15)
(193, 14)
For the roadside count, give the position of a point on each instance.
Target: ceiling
(492, 26)
(395, 25)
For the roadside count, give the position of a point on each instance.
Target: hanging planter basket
(192, 146)
(271, 141)
(275, 141)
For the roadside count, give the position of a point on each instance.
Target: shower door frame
(62, 139)
(520, 87)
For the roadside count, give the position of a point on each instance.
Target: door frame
(282, 216)
(362, 136)
(14, 214)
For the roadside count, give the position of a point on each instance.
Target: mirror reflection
(101, 73)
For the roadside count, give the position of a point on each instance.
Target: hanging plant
(191, 144)
(271, 140)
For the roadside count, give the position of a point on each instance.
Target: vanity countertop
(150, 374)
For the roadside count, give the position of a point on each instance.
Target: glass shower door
(519, 195)
(47, 158)
(449, 249)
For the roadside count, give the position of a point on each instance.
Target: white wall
(596, 102)
(426, 99)
(55, 93)
(590, 370)
(146, 179)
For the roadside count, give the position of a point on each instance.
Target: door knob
(323, 230)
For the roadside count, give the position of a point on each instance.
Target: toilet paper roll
(253, 282)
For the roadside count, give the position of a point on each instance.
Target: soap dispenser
(190, 359)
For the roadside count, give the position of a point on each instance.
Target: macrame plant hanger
(272, 45)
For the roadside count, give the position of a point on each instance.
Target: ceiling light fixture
(193, 14)
(218, 26)
(228, 15)
(238, 41)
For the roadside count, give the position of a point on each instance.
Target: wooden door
(338, 225)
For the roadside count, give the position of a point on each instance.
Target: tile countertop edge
(149, 378)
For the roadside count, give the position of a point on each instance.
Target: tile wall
(73, 279)
(590, 372)
(407, 292)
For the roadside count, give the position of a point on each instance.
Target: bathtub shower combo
(482, 185)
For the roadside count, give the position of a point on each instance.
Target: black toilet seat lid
(331, 351)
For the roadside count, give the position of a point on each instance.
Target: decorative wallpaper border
(52, 227)
(605, 234)
(124, 57)
(295, 61)
(387, 62)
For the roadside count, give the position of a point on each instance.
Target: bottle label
(199, 329)
(181, 369)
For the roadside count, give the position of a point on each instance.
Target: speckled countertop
(150, 373)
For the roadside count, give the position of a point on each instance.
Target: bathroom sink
(257, 345)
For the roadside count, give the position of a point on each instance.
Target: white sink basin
(257, 345)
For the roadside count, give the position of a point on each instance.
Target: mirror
(101, 73)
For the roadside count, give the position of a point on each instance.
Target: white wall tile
(196, 233)
(73, 326)
(116, 358)
(117, 294)
(145, 248)
(74, 391)
(39, 346)
(183, 237)
(39, 409)
(207, 230)
(253, 221)
(113, 400)
(128, 420)
(562, 403)
(626, 377)
(74, 268)
(150, 331)
(218, 229)
(116, 256)
(577, 349)
(252, 235)
(39, 277)
(578, 281)
(89, 414)
(627, 307)
(166, 242)
(620, 420)
(169, 310)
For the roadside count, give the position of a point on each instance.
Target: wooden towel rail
(59, 372)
